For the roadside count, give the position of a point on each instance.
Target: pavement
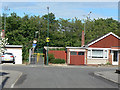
(109, 75)
(8, 78)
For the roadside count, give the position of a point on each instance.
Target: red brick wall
(107, 42)
(58, 54)
(110, 57)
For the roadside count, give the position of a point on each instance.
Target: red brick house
(103, 50)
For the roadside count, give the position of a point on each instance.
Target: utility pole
(5, 15)
(35, 41)
(3, 41)
(88, 18)
(0, 38)
(47, 39)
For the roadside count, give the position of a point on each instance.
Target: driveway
(60, 77)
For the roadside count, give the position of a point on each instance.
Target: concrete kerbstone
(109, 75)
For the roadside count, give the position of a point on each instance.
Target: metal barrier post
(38, 57)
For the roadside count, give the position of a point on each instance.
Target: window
(89, 53)
(7, 54)
(105, 54)
(73, 53)
(80, 53)
(96, 53)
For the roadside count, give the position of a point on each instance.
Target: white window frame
(90, 57)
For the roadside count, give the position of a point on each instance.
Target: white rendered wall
(97, 61)
(17, 52)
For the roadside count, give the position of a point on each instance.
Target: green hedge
(58, 61)
(55, 61)
(51, 57)
(57, 49)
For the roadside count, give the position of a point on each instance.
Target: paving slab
(9, 78)
(109, 75)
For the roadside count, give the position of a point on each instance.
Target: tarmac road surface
(60, 77)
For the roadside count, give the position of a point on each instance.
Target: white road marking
(16, 80)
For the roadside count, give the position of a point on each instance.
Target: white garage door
(18, 55)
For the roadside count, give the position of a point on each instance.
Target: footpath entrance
(37, 58)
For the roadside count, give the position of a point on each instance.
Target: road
(60, 77)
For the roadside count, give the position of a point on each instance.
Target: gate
(37, 58)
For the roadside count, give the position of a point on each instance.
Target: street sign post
(34, 45)
(47, 39)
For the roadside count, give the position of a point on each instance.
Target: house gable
(107, 41)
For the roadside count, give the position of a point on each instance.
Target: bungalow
(105, 49)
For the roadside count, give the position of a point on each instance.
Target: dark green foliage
(62, 32)
(60, 49)
(58, 61)
(108, 63)
(51, 57)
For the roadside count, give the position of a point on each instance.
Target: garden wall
(58, 54)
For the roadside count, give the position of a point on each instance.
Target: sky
(64, 10)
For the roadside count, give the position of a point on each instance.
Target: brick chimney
(3, 34)
(83, 39)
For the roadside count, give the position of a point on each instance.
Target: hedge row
(55, 61)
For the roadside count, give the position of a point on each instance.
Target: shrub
(108, 63)
(58, 61)
(51, 57)
(58, 49)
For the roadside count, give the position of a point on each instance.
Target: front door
(115, 58)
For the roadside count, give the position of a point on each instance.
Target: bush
(51, 57)
(58, 61)
(58, 49)
(108, 63)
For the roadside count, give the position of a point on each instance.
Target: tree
(62, 32)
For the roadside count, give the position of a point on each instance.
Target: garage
(76, 55)
(77, 58)
(16, 50)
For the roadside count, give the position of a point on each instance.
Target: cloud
(60, 0)
(75, 5)
(0, 9)
(65, 9)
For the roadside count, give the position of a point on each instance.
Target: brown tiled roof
(96, 39)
